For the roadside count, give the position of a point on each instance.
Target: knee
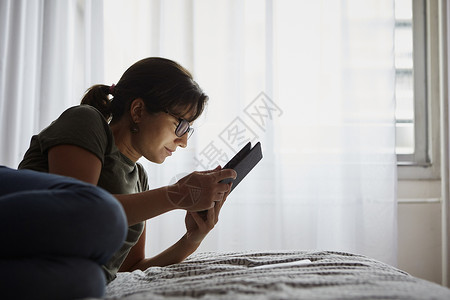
(108, 211)
(99, 204)
(114, 215)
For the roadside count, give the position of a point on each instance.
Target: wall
(419, 229)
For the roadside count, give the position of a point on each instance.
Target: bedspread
(327, 275)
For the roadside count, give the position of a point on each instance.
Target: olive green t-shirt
(85, 127)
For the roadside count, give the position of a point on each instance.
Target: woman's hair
(162, 84)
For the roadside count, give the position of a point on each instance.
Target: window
(409, 95)
(404, 77)
(417, 111)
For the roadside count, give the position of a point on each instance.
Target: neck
(122, 138)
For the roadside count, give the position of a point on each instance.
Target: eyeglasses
(183, 127)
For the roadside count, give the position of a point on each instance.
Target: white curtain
(50, 52)
(314, 82)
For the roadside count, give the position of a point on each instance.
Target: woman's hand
(199, 224)
(200, 191)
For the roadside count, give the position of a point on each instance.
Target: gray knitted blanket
(274, 275)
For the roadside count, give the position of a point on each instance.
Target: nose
(182, 141)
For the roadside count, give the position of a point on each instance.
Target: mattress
(274, 275)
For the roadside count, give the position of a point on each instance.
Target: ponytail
(98, 97)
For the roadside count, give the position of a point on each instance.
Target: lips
(169, 151)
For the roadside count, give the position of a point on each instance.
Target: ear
(137, 108)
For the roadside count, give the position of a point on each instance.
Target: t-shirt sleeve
(143, 178)
(81, 126)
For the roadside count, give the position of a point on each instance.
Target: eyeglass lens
(182, 128)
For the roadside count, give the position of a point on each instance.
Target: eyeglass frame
(189, 130)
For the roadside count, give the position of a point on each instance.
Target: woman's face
(156, 139)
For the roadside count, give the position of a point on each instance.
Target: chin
(159, 160)
(156, 160)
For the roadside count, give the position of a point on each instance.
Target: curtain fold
(50, 52)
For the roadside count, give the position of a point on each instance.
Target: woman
(99, 142)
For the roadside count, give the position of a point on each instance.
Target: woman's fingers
(219, 204)
(197, 218)
(222, 188)
(210, 171)
(198, 191)
(205, 220)
(224, 174)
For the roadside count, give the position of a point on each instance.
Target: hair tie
(111, 89)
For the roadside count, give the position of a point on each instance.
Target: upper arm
(136, 254)
(74, 161)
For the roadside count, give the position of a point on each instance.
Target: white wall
(419, 229)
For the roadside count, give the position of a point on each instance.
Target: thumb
(210, 171)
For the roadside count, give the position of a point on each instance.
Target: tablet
(243, 162)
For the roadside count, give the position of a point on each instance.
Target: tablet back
(243, 162)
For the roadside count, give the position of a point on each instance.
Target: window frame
(424, 163)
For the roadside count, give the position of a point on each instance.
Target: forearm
(175, 254)
(146, 205)
(143, 206)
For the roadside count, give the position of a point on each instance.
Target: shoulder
(83, 119)
(83, 111)
(82, 126)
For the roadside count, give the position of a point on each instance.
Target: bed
(274, 275)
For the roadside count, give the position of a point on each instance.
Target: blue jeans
(55, 234)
